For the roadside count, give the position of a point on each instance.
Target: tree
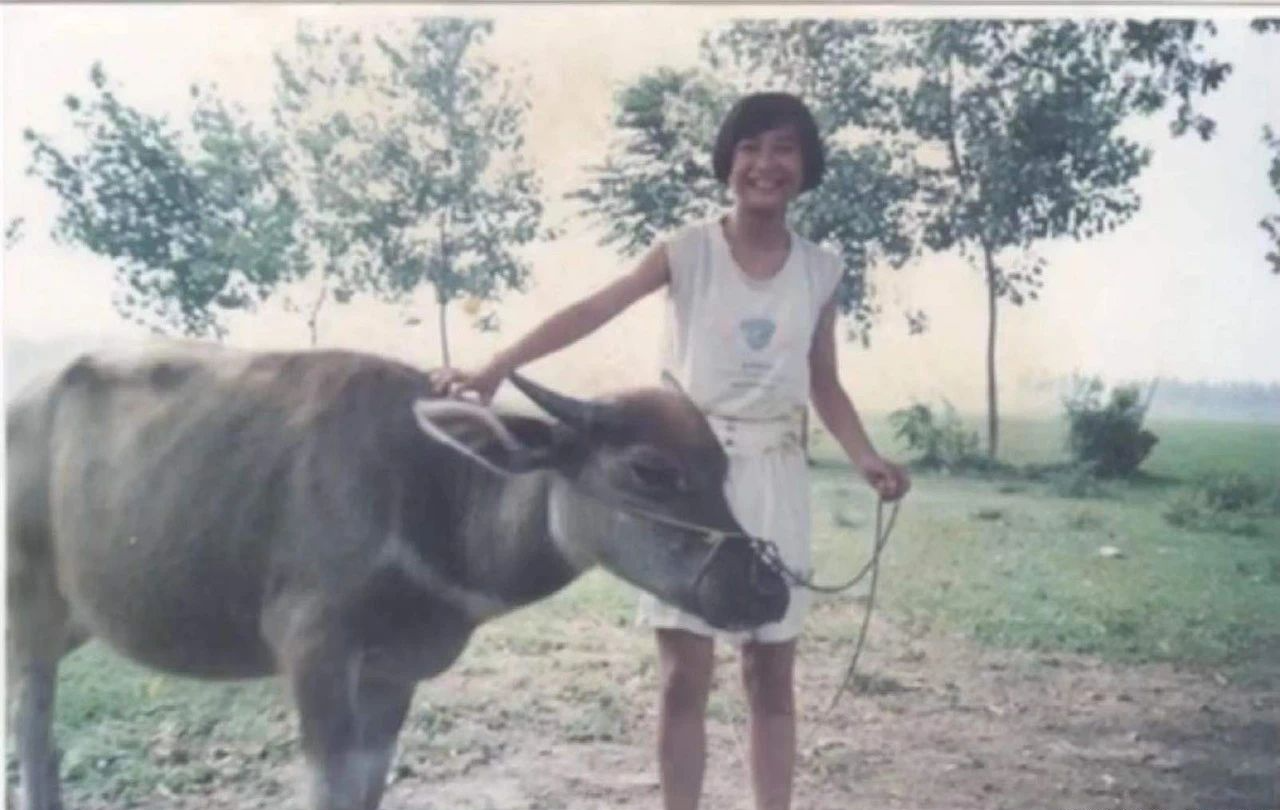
(320, 84)
(194, 228)
(1030, 117)
(1271, 223)
(657, 175)
(1016, 127)
(449, 197)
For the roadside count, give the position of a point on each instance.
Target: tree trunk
(993, 411)
(444, 332)
(967, 193)
(442, 298)
(313, 317)
(804, 435)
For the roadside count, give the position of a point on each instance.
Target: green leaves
(424, 187)
(164, 204)
(1109, 438)
(449, 197)
(13, 231)
(1172, 65)
(1270, 224)
(1029, 115)
(657, 175)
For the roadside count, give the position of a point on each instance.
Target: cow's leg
(40, 633)
(350, 720)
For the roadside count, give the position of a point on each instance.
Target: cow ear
(501, 445)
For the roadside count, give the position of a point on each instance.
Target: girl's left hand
(885, 477)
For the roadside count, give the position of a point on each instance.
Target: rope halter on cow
(588, 416)
(767, 552)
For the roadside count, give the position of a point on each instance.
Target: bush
(1109, 438)
(1226, 503)
(941, 441)
(1232, 492)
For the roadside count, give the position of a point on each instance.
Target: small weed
(1229, 503)
(1236, 492)
(871, 684)
(600, 716)
(940, 439)
(1083, 520)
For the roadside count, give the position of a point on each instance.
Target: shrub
(1227, 502)
(1232, 492)
(940, 441)
(1109, 438)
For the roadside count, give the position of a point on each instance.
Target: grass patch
(1021, 565)
(1232, 503)
(129, 735)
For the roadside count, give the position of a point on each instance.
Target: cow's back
(188, 485)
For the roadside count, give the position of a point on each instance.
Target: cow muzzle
(738, 586)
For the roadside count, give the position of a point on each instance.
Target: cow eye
(656, 474)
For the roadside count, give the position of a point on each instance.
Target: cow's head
(632, 477)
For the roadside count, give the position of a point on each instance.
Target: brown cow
(323, 516)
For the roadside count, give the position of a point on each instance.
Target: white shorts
(768, 491)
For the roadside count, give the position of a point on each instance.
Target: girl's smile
(767, 169)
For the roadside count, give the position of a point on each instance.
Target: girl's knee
(767, 675)
(684, 692)
(686, 667)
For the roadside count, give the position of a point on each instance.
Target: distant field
(1186, 448)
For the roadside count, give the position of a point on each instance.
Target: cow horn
(584, 416)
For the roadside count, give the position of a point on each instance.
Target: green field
(1009, 562)
(1002, 561)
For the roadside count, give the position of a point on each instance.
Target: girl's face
(767, 169)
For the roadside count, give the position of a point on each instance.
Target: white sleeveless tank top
(740, 346)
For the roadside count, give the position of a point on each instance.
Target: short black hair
(759, 112)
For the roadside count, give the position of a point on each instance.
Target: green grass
(1187, 450)
(1004, 562)
(1016, 565)
(129, 734)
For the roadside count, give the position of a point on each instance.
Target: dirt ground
(566, 721)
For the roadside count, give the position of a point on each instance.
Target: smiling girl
(751, 339)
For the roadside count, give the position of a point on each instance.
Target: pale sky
(1182, 290)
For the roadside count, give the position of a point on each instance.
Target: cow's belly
(165, 604)
(168, 630)
(165, 567)
(195, 656)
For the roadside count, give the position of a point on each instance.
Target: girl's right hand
(456, 383)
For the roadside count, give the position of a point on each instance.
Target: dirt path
(565, 722)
